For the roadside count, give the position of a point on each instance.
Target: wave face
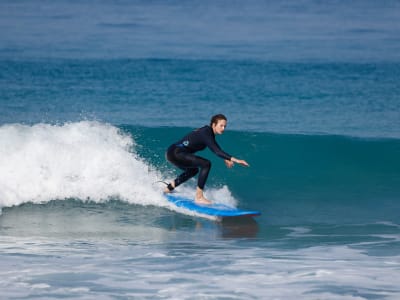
(298, 178)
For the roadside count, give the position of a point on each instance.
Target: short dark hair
(216, 118)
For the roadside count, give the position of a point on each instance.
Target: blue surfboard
(213, 210)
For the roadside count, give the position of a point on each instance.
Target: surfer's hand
(229, 163)
(243, 163)
(240, 162)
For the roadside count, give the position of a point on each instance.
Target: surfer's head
(218, 123)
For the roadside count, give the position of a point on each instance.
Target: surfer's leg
(184, 161)
(205, 167)
(185, 176)
(191, 164)
(202, 164)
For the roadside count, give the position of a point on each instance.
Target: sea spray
(84, 160)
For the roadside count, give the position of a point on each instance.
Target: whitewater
(83, 160)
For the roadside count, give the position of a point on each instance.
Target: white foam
(84, 160)
(219, 195)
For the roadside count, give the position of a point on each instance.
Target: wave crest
(84, 160)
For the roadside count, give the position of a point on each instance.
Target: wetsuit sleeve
(214, 147)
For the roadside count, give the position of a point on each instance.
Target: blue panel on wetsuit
(214, 210)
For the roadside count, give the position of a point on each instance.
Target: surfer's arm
(229, 159)
(212, 144)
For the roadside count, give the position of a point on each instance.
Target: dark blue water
(356, 99)
(91, 95)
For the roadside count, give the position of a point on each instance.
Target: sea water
(92, 94)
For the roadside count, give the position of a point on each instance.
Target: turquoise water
(91, 95)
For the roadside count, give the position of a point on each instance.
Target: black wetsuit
(181, 154)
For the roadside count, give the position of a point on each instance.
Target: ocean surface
(93, 92)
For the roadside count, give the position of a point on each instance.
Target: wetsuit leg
(191, 165)
(185, 176)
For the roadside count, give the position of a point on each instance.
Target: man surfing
(182, 155)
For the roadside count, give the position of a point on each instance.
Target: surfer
(181, 154)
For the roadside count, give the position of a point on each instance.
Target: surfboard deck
(213, 210)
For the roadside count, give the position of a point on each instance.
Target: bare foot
(199, 198)
(202, 200)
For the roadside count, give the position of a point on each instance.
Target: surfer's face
(219, 127)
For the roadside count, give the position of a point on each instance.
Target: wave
(291, 175)
(290, 161)
(83, 160)
(297, 177)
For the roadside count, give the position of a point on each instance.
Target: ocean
(92, 93)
